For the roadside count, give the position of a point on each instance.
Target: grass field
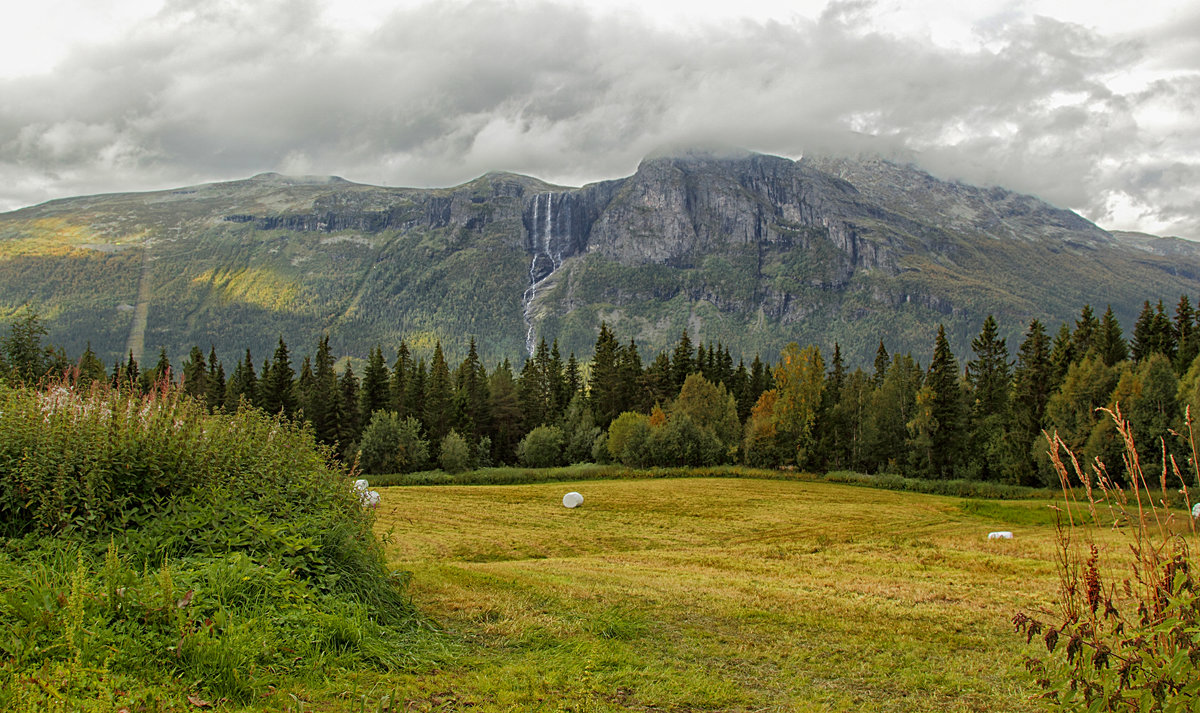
(718, 594)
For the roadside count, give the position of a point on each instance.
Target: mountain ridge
(751, 250)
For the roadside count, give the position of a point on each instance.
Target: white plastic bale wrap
(572, 500)
(1196, 511)
(1002, 535)
(368, 498)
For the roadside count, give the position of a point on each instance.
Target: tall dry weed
(1126, 633)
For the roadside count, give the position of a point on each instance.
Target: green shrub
(391, 444)
(454, 455)
(541, 448)
(629, 439)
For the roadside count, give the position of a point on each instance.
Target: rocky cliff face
(750, 250)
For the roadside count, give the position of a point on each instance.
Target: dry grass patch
(723, 594)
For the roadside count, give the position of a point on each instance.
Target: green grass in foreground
(720, 594)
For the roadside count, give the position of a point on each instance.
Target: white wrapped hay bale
(572, 500)
(368, 498)
(1196, 511)
(1002, 535)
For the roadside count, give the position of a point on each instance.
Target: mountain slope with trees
(748, 250)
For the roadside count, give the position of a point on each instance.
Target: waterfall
(541, 239)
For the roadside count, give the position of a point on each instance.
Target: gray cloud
(444, 92)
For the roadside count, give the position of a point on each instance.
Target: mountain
(750, 250)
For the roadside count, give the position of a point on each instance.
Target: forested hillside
(750, 251)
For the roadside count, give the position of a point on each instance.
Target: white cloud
(1094, 115)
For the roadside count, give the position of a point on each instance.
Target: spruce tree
(159, 375)
(505, 411)
(1187, 340)
(401, 370)
(881, 364)
(631, 379)
(215, 390)
(349, 425)
(682, 360)
(1086, 334)
(242, 384)
(473, 396)
(439, 398)
(91, 369)
(1113, 348)
(278, 388)
(603, 388)
(946, 408)
(989, 377)
(659, 382)
(1143, 343)
(1032, 386)
(195, 375)
(375, 392)
(1062, 353)
(324, 409)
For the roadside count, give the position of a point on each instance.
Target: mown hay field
(718, 594)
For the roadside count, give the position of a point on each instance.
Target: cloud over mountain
(438, 93)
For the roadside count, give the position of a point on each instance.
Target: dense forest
(979, 418)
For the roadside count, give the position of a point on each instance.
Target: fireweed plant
(146, 545)
(1126, 636)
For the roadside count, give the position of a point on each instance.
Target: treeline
(981, 420)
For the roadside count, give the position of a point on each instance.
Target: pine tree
(127, 374)
(195, 375)
(1086, 334)
(414, 394)
(473, 396)
(892, 408)
(631, 379)
(833, 426)
(242, 385)
(760, 379)
(659, 382)
(375, 393)
(739, 386)
(1032, 386)
(989, 377)
(989, 372)
(439, 398)
(349, 426)
(603, 388)
(682, 360)
(303, 388)
(1113, 348)
(506, 413)
(1187, 340)
(573, 379)
(278, 389)
(1144, 340)
(881, 364)
(401, 370)
(324, 410)
(947, 408)
(159, 375)
(91, 369)
(1062, 353)
(215, 395)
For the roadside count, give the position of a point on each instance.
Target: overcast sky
(1089, 105)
